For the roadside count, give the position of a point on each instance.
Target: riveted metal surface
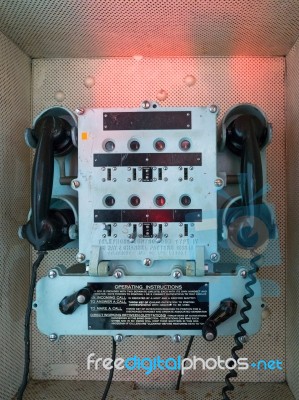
(15, 70)
(292, 115)
(124, 28)
(126, 83)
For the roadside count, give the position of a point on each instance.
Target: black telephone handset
(47, 229)
(249, 220)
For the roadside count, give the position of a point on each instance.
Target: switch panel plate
(147, 188)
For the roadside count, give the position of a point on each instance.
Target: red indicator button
(185, 200)
(185, 144)
(159, 145)
(134, 201)
(160, 201)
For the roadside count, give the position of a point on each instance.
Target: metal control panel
(146, 189)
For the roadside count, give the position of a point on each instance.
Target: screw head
(213, 108)
(81, 299)
(75, 184)
(80, 257)
(218, 182)
(118, 274)
(79, 111)
(147, 262)
(53, 337)
(243, 273)
(146, 104)
(176, 274)
(210, 336)
(52, 274)
(214, 257)
(244, 339)
(176, 338)
(118, 338)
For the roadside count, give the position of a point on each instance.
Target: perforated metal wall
(125, 83)
(292, 86)
(15, 71)
(123, 28)
(66, 390)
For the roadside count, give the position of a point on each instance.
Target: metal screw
(213, 108)
(147, 262)
(118, 338)
(146, 104)
(129, 168)
(114, 179)
(191, 168)
(191, 235)
(81, 299)
(140, 224)
(52, 274)
(75, 184)
(191, 179)
(180, 235)
(177, 274)
(117, 274)
(114, 168)
(165, 179)
(214, 257)
(180, 179)
(243, 273)
(218, 182)
(165, 168)
(140, 235)
(165, 235)
(103, 168)
(80, 111)
(139, 179)
(210, 336)
(166, 224)
(103, 180)
(114, 224)
(176, 338)
(103, 236)
(115, 235)
(180, 224)
(244, 339)
(155, 179)
(80, 257)
(53, 337)
(129, 180)
(180, 168)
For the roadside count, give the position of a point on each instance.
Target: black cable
(186, 356)
(244, 320)
(35, 266)
(108, 384)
